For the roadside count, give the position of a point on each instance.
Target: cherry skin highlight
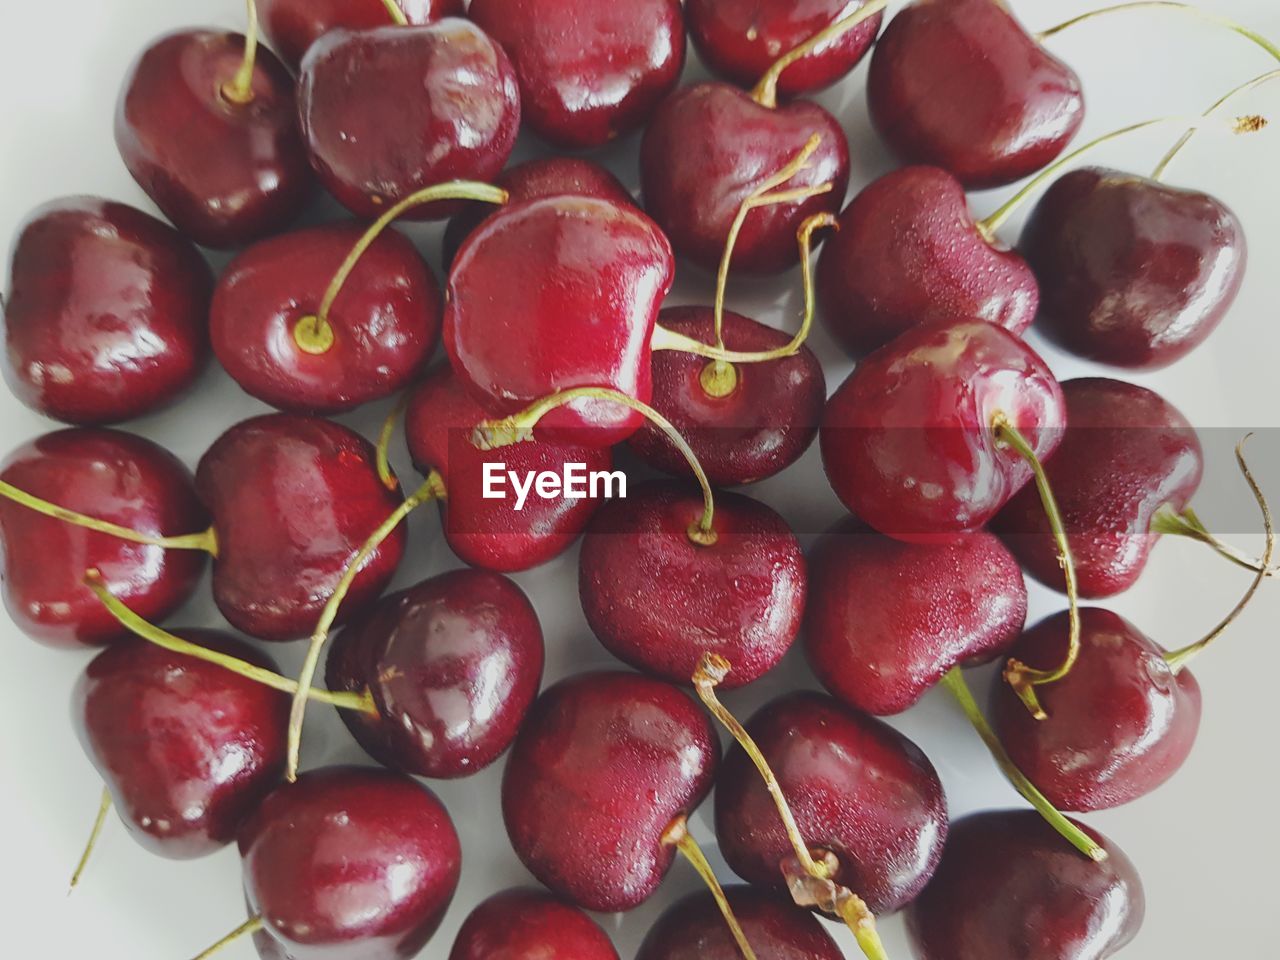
(224, 173)
(908, 253)
(453, 664)
(857, 788)
(1120, 724)
(887, 620)
(1009, 887)
(188, 749)
(659, 601)
(961, 85)
(106, 314)
(385, 322)
(603, 764)
(454, 114)
(294, 25)
(349, 862)
(113, 476)
(530, 925)
(1133, 273)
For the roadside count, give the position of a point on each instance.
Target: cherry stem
(1022, 678)
(432, 488)
(766, 91)
(518, 428)
(955, 682)
(206, 540)
(1178, 659)
(677, 835)
(104, 807)
(246, 929)
(385, 472)
(1188, 524)
(396, 14)
(312, 333)
(1168, 158)
(135, 624)
(240, 90)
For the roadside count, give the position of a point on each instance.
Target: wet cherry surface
(294, 25)
(530, 925)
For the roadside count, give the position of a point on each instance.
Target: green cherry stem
(677, 835)
(395, 13)
(383, 450)
(1188, 524)
(246, 929)
(240, 89)
(1163, 166)
(104, 808)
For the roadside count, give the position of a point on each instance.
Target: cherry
(188, 749)
(741, 39)
(603, 766)
(123, 479)
(530, 925)
(452, 664)
(388, 111)
(589, 72)
(1007, 888)
(377, 335)
(106, 313)
(294, 25)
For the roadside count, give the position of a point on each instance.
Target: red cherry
(529, 925)
(589, 72)
(294, 25)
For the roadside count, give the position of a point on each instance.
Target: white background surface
(1206, 844)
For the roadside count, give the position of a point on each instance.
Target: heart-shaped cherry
(389, 111)
(604, 764)
(121, 479)
(106, 314)
(294, 25)
(452, 664)
(531, 925)
(589, 72)
(1007, 888)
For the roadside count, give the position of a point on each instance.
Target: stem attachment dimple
(104, 807)
(246, 929)
(677, 835)
(239, 90)
(396, 14)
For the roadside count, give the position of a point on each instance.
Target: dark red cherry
(530, 925)
(741, 39)
(113, 476)
(489, 532)
(348, 863)
(857, 788)
(188, 749)
(1126, 454)
(1132, 272)
(907, 440)
(453, 664)
(659, 601)
(294, 25)
(1009, 887)
(709, 146)
(908, 253)
(384, 323)
(225, 173)
(589, 72)
(557, 293)
(293, 498)
(887, 620)
(759, 428)
(1120, 723)
(603, 764)
(106, 314)
(961, 85)
(389, 111)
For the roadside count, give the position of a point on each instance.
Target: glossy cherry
(960, 84)
(857, 788)
(1120, 724)
(452, 663)
(1008, 887)
(384, 323)
(1126, 456)
(113, 476)
(484, 532)
(589, 72)
(658, 601)
(187, 748)
(389, 111)
(530, 925)
(909, 253)
(226, 173)
(349, 862)
(294, 25)
(1132, 272)
(603, 764)
(908, 440)
(887, 620)
(106, 314)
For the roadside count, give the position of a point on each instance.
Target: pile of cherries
(961, 458)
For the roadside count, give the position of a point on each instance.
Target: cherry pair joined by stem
(294, 25)
(531, 925)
